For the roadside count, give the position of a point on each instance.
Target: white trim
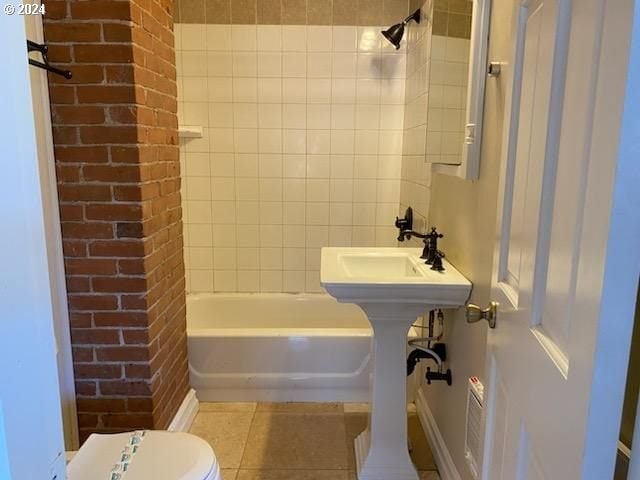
(624, 450)
(53, 235)
(186, 414)
(441, 455)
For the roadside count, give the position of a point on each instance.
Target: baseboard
(186, 414)
(441, 454)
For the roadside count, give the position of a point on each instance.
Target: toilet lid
(143, 455)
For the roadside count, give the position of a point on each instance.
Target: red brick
(112, 211)
(135, 336)
(134, 388)
(116, 248)
(82, 354)
(105, 94)
(100, 135)
(128, 421)
(134, 302)
(87, 420)
(119, 74)
(74, 248)
(55, 9)
(93, 302)
(140, 404)
(120, 319)
(88, 266)
(102, 405)
(87, 230)
(101, 9)
(95, 336)
(116, 32)
(81, 154)
(80, 319)
(116, 174)
(78, 284)
(97, 371)
(73, 32)
(62, 94)
(71, 212)
(122, 354)
(135, 371)
(86, 388)
(118, 284)
(77, 114)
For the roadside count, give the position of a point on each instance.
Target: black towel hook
(43, 49)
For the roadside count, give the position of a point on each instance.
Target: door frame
(53, 233)
(620, 272)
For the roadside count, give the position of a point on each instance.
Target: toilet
(144, 455)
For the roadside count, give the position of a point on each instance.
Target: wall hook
(43, 49)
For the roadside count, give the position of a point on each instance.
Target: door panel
(543, 353)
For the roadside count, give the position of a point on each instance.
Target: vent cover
(473, 433)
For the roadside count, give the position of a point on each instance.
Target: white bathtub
(277, 347)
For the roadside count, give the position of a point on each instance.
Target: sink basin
(391, 267)
(393, 286)
(353, 275)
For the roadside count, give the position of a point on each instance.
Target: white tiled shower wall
(302, 148)
(416, 171)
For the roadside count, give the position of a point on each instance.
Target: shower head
(395, 33)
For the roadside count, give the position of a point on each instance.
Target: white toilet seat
(144, 455)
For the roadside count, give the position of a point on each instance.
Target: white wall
(302, 149)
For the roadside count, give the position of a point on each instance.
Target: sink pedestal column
(381, 450)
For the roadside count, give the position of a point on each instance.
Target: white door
(567, 257)
(31, 443)
(44, 143)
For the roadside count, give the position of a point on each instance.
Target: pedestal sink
(393, 286)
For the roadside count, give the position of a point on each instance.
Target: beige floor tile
(229, 474)
(431, 475)
(226, 432)
(296, 441)
(300, 407)
(228, 407)
(356, 407)
(420, 450)
(293, 475)
(364, 407)
(423, 475)
(421, 454)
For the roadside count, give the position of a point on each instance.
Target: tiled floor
(294, 441)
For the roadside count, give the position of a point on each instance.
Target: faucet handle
(437, 262)
(425, 250)
(435, 234)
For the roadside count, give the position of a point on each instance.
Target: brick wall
(115, 135)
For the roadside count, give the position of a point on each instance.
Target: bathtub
(278, 347)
